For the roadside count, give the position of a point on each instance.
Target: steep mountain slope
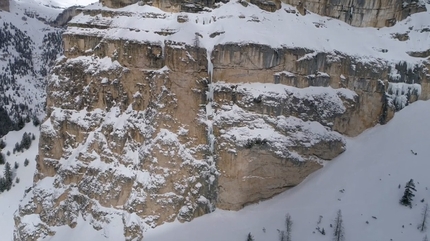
(28, 48)
(64, 3)
(157, 116)
(363, 182)
(9, 200)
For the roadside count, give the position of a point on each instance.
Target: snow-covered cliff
(155, 116)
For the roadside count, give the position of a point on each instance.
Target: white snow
(369, 171)
(59, 3)
(9, 200)
(239, 24)
(362, 182)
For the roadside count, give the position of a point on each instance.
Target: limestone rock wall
(374, 13)
(4, 5)
(148, 132)
(64, 17)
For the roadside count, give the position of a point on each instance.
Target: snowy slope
(10, 200)
(64, 3)
(370, 170)
(27, 50)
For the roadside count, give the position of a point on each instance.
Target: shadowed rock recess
(146, 129)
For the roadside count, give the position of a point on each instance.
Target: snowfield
(59, 3)
(10, 200)
(362, 183)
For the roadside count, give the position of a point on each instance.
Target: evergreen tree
(7, 176)
(339, 232)
(26, 162)
(25, 141)
(288, 225)
(36, 121)
(2, 159)
(423, 225)
(408, 195)
(2, 144)
(250, 237)
(2, 185)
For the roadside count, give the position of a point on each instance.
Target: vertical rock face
(360, 13)
(148, 124)
(374, 13)
(4, 5)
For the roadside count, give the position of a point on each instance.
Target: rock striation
(155, 117)
(375, 13)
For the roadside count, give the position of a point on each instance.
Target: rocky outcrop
(148, 124)
(64, 17)
(375, 13)
(4, 5)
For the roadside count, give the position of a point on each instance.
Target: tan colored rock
(142, 131)
(375, 13)
(251, 175)
(4, 5)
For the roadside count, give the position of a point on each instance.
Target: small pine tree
(425, 238)
(282, 236)
(339, 232)
(16, 148)
(26, 162)
(408, 195)
(2, 185)
(423, 225)
(17, 180)
(8, 153)
(7, 176)
(16, 165)
(2, 144)
(250, 237)
(288, 225)
(2, 159)
(25, 141)
(36, 121)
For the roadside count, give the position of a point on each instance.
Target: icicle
(209, 100)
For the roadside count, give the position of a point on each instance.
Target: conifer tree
(408, 195)
(7, 176)
(2, 159)
(288, 226)
(423, 225)
(339, 232)
(2, 184)
(250, 237)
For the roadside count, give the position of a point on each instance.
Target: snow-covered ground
(369, 172)
(362, 183)
(9, 200)
(57, 3)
